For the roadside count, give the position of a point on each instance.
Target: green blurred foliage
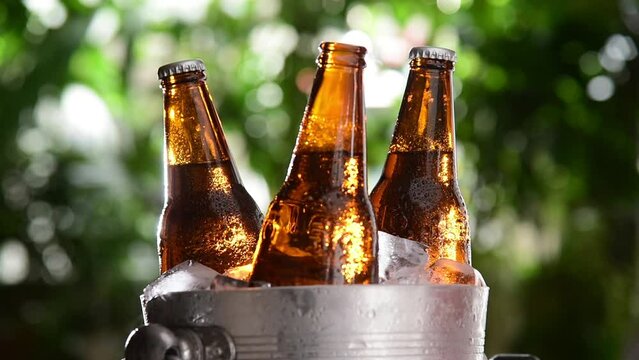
(547, 138)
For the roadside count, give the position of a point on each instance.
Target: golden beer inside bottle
(208, 217)
(319, 228)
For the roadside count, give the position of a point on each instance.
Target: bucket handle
(157, 342)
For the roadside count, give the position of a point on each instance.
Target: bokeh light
(14, 262)
(601, 88)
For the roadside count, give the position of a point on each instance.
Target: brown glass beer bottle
(208, 215)
(417, 197)
(320, 227)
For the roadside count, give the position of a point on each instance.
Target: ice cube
(222, 282)
(227, 283)
(186, 276)
(400, 261)
(479, 279)
(446, 271)
(402, 275)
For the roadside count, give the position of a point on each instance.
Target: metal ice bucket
(425, 322)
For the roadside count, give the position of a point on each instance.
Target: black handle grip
(152, 342)
(514, 357)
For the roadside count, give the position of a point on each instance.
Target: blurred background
(547, 114)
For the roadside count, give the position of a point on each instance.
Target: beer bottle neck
(334, 116)
(193, 132)
(425, 129)
(426, 116)
(330, 147)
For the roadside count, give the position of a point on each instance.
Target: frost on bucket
(424, 322)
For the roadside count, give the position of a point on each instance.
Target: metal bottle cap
(432, 52)
(180, 67)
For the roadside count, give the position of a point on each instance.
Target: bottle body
(319, 234)
(417, 196)
(208, 215)
(207, 218)
(320, 227)
(421, 208)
